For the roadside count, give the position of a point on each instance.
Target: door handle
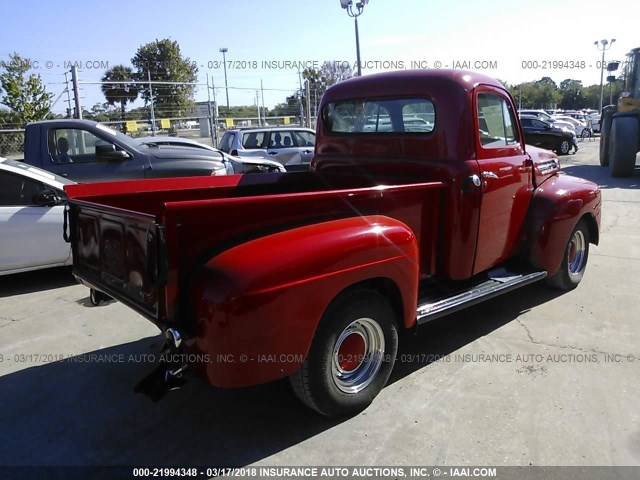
(490, 175)
(273, 153)
(306, 151)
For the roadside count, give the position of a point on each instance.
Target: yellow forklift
(620, 124)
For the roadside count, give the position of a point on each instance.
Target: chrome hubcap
(576, 253)
(357, 355)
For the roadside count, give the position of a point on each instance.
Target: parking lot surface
(535, 377)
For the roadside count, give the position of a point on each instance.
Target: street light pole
(226, 86)
(348, 6)
(606, 45)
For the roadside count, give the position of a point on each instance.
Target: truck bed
(141, 241)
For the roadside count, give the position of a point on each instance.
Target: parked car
(580, 128)
(292, 147)
(31, 218)
(546, 135)
(87, 151)
(313, 275)
(234, 165)
(595, 122)
(542, 115)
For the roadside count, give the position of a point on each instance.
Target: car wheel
(574, 261)
(94, 297)
(351, 356)
(623, 146)
(563, 147)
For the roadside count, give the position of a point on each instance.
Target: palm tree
(121, 93)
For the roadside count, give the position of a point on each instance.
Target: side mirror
(108, 151)
(46, 198)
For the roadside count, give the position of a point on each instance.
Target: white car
(31, 218)
(577, 124)
(234, 165)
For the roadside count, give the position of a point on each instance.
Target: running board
(499, 282)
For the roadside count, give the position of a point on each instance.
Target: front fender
(257, 305)
(557, 206)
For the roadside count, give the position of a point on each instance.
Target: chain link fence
(12, 143)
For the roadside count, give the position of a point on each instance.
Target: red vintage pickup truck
(423, 199)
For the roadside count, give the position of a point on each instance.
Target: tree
(572, 95)
(25, 95)
(121, 93)
(163, 61)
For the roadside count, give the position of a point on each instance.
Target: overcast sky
(498, 34)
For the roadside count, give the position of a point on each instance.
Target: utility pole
(153, 113)
(76, 91)
(66, 82)
(308, 112)
(300, 101)
(226, 85)
(210, 119)
(264, 112)
(258, 107)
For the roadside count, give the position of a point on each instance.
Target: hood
(177, 153)
(545, 163)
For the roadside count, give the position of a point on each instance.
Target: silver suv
(290, 146)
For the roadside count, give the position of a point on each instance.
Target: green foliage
(163, 61)
(121, 93)
(319, 80)
(24, 94)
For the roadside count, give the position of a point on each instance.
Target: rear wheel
(605, 131)
(623, 146)
(563, 147)
(574, 261)
(351, 356)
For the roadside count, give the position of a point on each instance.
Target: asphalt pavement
(535, 377)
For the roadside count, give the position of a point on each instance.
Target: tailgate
(121, 253)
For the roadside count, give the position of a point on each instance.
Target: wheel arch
(557, 207)
(251, 300)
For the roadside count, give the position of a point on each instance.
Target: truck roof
(74, 121)
(407, 82)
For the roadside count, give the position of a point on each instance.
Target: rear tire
(94, 297)
(351, 356)
(564, 147)
(623, 146)
(574, 260)
(605, 131)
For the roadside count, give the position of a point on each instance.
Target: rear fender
(557, 206)
(257, 305)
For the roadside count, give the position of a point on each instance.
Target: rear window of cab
(404, 115)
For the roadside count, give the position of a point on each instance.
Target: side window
(225, 143)
(496, 122)
(281, 139)
(253, 140)
(70, 145)
(16, 190)
(304, 139)
(537, 124)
